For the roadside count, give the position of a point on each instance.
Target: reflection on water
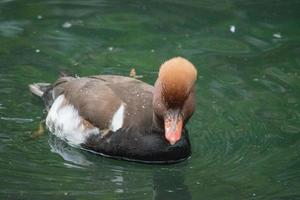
(245, 133)
(169, 184)
(166, 183)
(68, 153)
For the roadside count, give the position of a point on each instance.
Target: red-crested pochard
(122, 117)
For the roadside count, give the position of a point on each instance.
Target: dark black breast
(147, 146)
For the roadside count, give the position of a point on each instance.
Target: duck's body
(112, 115)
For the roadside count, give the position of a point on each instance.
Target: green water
(245, 132)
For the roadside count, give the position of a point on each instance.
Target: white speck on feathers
(118, 118)
(65, 122)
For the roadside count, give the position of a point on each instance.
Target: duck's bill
(173, 126)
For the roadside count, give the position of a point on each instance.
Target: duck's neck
(157, 122)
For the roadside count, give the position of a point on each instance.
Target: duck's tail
(39, 88)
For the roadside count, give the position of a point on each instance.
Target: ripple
(281, 76)
(226, 46)
(1, 106)
(17, 119)
(261, 44)
(12, 28)
(273, 86)
(291, 128)
(230, 79)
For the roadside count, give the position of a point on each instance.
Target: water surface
(245, 132)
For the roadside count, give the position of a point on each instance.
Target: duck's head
(174, 96)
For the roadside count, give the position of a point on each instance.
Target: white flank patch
(118, 118)
(65, 122)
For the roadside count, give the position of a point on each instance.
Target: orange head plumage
(177, 77)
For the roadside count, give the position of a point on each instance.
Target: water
(245, 132)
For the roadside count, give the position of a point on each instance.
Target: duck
(122, 117)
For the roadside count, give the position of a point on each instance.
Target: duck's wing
(95, 101)
(107, 102)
